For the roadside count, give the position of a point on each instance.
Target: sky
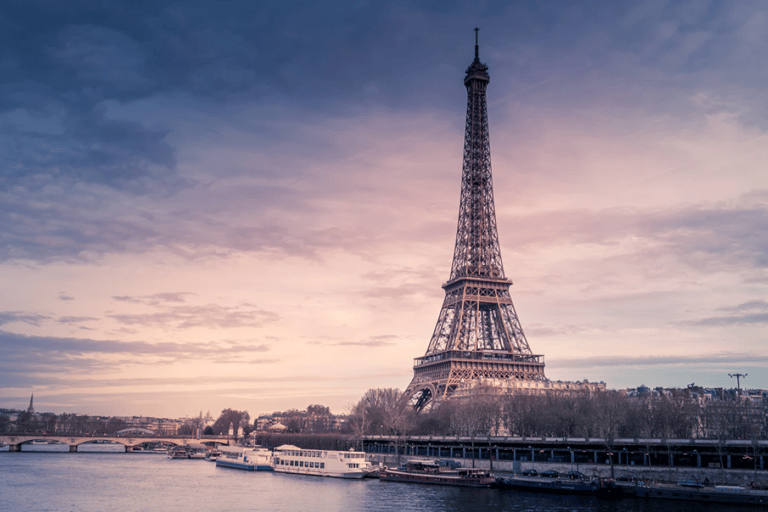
(253, 205)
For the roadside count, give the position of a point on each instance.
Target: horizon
(256, 205)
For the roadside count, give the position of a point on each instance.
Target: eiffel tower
(478, 336)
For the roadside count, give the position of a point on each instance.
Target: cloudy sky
(253, 204)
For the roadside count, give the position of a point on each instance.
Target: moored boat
(212, 454)
(603, 489)
(248, 459)
(188, 451)
(339, 464)
(714, 494)
(431, 472)
(177, 452)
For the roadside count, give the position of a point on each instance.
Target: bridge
(129, 440)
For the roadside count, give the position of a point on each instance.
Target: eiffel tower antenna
(478, 337)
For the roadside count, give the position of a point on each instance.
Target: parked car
(575, 475)
(550, 473)
(530, 472)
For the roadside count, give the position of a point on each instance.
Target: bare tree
(609, 415)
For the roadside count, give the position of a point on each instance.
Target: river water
(127, 482)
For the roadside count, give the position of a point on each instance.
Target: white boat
(248, 459)
(339, 464)
(212, 455)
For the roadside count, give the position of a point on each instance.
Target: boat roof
(287, 447)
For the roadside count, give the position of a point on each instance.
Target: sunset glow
(254, 205)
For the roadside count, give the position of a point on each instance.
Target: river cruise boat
(248, 459)
(339, 464)
(431, 472)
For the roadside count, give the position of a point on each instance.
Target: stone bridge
(15, 441)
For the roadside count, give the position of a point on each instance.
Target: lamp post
(738, 383)
(533, 457)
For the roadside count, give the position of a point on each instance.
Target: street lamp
(738, 384)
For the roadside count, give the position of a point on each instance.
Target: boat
(432, 472)
(703, 494)
(248, 459)
(603, 489)
(212, 455)
(339, 464)
(177, 452)
(188, 451)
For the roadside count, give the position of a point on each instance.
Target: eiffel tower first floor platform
(467, 373)
(438, 376)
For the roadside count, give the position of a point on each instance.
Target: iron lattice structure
(478, 334)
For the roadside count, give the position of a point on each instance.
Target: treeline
(49, 423)
(316, 419)
(327, 441)
(673, 414)
(608, 415)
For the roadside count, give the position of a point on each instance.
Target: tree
(24, 422)
(475, 415)
(115, 424)
(610, 410)
(231, 417)
(524, 414)
(318, 419)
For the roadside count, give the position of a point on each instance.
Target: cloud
(707, 237)
(653, 361)
(752, 305)
(7, 317)
(76, 319)
(208, 315)
(384, 340)
(155, 299)
(746, 313)
(44, 356)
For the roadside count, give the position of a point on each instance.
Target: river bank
(659, 474)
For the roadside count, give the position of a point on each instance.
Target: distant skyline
(253, 206)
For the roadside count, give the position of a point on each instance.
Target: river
(131, 482)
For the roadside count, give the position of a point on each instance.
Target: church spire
(31, 409)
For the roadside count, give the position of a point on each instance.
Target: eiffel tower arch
(478, 339)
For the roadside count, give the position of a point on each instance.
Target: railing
(477, 355)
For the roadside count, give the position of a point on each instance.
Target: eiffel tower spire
(478, 334)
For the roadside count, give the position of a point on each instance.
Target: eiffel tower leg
(419, 395)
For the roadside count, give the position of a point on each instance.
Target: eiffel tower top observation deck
(478, 335)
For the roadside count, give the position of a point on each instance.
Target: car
(550, 473)
(530, 472)
(575, 475)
